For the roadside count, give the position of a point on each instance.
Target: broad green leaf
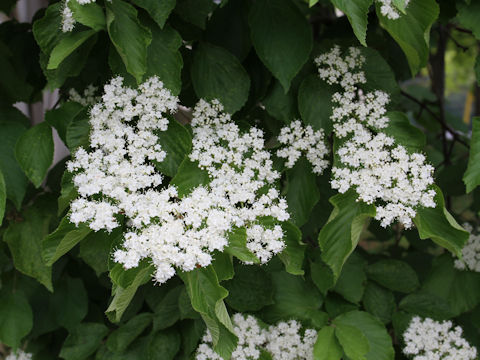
(163, 345)
(66, 46)
(315, 103)
(16, 317)
(293, 254)
(223, 265)
(250, 290)
(280, 105)
(352, 279)
(427, 305)
(412, 31)
(471, 178)
(353, 341)
(24, 239)
(281, 36)
(177, 143)
(195, 12)
(327, 347)
(164, 59)
(287, 303)
(207, 296)
(336, 305)
(467, 16)
(438, 225)
(357, 14)
(15, 180)
(339, 237)
(70, 302)
(129, 36)
(78, 131)
(461, 289)
(120, 339)
(403, 132)
(394, 274)
(378, 338)
(302, 191)
(34, 152)
(167, 310)
(217, 74)
(188, 177)
(191, 331)
(122, 296)
(158, 10)
(379, 302)
(90, 15)
(82, 341)
(3, 197)
(322, 276)
(68, 192)
(61, 117)
(46, 30)
(95, 249)
(63, 239)
(379, 74)
(237, 246)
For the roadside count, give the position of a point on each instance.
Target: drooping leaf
(467, 16)
(158, 10)
(394, 274)
(217, 74)
(293, 254)
(282, 106)
(82, 341)
(357, 14)
(16, 317)
(339, 237)
(281, 36)
(327, 346)
(34, 152)
(121, 338)
(352, 279)
(195, 12)
(167, 311)
(95, 248)
(471, 178)
(403, 132)
(70, 302)
(90, 15)
(77, 132)
(62, 116)
(66, 46)
(353, 341)
(163, 345)
(379, 302)
(428, 305)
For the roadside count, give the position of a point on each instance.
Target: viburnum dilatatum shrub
(240, 179)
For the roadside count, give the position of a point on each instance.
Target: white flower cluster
(19, 355)
(88, 98)
(283, 341)
(299, 141)
(382, 172)
(68, 21)
(389, 10)
(432, 340)
(117, 177)
(470, 252)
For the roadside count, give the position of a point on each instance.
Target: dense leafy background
(61, 296)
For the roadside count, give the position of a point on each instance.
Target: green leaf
(471, 178)
(394, 274)
(3, 197)
(130, 38)
(167, 311)
(77, 133)
(177, 143)
(123, 295)
(438, 225)
(379, 302)
(120, 339)
(315, 103)
(207, 296)
(63, 239)
(16, 317)
(95, 248)
(158, 10)
(339, 237)
(327, 347)
(68, 192)
(90, 15)
(353, 341)
(322, 276)
(217, 74)
(427, 305)
(302, 191)
(223, 265)
(163, 57)
(34, 152)
(61, 117)
(15, 180)
(352, 279)
(467, 17)
(281, 36)
(357, 14)
(282, 106)
(66, 46)
(237, 246)
(163, 345)
(82, 341)
(378, 338)
(412, 31)
(403, 132)
(461, 289)
(70, 302)
(47, 29)
(188, 177)
(24, 240)
(195, 12)
(293, 254)
(378, 73)
(250, 290)
(288, 303)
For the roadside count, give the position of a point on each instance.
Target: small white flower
(19, 355)
(88, 97)
(470, 252)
